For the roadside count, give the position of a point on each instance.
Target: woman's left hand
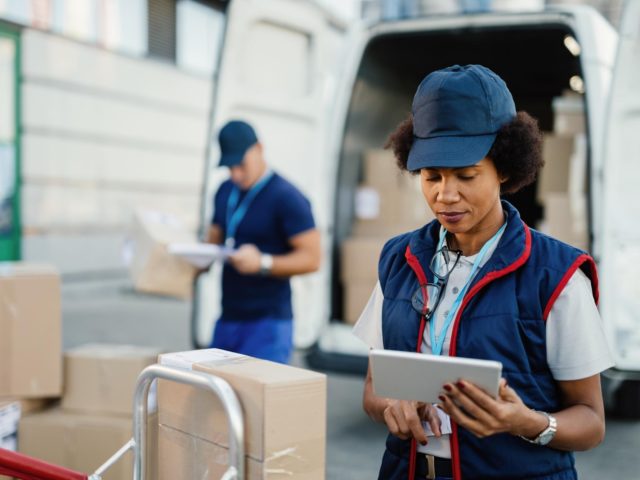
(474, 409)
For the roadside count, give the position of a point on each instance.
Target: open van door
(278, 71)
(620, 259)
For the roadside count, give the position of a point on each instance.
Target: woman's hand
(472, 408)
(404, 419)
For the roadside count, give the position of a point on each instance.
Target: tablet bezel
(398, 375)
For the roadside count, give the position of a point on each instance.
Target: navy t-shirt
(278, 212)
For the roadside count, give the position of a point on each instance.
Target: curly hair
(516, 151)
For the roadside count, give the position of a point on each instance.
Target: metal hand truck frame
(29, 468)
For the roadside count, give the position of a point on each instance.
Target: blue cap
(457, 112)
(235, 138)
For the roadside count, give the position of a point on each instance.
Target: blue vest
(502, 317)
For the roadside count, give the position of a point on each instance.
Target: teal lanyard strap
(437, 341)
(235, 215)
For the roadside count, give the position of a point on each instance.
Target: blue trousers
(266, 338)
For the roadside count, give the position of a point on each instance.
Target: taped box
(284, 410)
(186, 457)
(30, 331)
(153, 269)
(84, 442)
(101, 378)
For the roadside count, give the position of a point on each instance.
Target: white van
(324, 95)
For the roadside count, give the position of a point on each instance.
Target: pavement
(113, 313)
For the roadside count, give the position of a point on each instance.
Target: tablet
(418, 376)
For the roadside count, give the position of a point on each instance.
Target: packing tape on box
(209, 356)
(286, 462)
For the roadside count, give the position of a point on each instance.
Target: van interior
(533, 60)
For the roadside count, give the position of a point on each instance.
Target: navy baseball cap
(235, 138)
(457, 112)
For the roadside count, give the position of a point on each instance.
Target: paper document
(200, 255)
(445, 426)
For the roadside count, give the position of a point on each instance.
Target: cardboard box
(569, 116)
(393, 205)
(389, 212)
(152, 268)
(84, 442)
(359, 259)
(404, 206)
(377, 228)
(101, 378)
(187, 457)
(78, 442)
(554, 176)
(563, 219)
(30, 326)
(284, 407)
(381, 171)
(355, 298)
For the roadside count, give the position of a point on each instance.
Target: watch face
(546, 437)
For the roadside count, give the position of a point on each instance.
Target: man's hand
(246, 260)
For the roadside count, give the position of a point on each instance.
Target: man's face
(250, 170)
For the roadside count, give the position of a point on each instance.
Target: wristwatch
(547, 434)
(266, 263)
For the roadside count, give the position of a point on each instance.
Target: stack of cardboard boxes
(95, 416)
(30, 343)
(562, 184)
(284, 410)
(388, 202)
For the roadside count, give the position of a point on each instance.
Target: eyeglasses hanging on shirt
(441, 267)
(426, 299)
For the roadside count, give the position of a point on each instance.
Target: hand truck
(28, 468)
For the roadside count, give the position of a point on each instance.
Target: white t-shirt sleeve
(368, 328)
(576, 342)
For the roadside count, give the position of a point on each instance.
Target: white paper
(367, 203)
(185, 360)
(201, 255)
(445, 426)
(9, 418)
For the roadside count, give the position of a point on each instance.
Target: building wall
(104, 134)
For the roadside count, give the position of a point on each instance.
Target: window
(200, 30)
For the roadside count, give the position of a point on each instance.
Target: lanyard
(235, 215)
(437, 341)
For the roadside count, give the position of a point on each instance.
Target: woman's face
(464, 200)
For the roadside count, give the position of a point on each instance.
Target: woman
(477, 282)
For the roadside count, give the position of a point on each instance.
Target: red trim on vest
(488, 278)
(414, 263)
(567, 276)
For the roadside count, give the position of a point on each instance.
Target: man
(269, 223)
